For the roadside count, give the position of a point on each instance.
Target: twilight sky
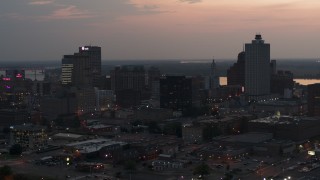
(157, 29)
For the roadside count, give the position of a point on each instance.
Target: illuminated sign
(311, 153)
(84, 48)
(18, 75)
(6, 79)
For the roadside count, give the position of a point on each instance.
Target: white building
(257, 69)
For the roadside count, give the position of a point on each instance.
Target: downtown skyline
(157, 29)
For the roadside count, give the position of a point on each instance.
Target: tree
(228, 167)
(130, 165)
(5, 171)
(210, 131)
(136, 123)
(6, 130)
(174, 128)
(202, 170)
(75, 122)
(16, 149)
(154, 127)
(228, 176)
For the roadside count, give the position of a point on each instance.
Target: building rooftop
(279, 103)
(67, 135)
(93, 145)
(28, 127)
(213, 119)
(253, 137)
(280, 119)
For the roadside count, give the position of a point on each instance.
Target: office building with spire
(257, 69)
(214, 78)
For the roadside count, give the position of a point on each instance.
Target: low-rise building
(192, 134)
(295, 128)
(30, 137)
(284, 106)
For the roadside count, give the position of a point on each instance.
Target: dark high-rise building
(198, 91)
(94, 55)
(153, 75)
(67, 69)
(236, 73)
(314, 100)
(273, 67)
(128, 81)
(214, 78)
(128, 77)
(257, 69)
(281, 81)
(175, 92)
(82, 71)
(82, 68)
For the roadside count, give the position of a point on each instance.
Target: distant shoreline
(302, 81)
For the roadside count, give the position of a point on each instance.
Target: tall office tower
(236, 73)
(128, 83)
(67, 69)
(152, 75)
(257, 69)
(175, 92)
(281, 81)
(214, 78)
(152, 82)
(314, 100)
(82, 71)
(273, 67)
(94, 55)
(82, 68)
(128, 77)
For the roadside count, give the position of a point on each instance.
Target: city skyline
(147, 29)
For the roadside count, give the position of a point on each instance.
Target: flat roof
(253, 137)
(280, 103)
(213, 119)
(28, 127)
(99, 126)
(285, 119)
(93, 145)
(68, 135)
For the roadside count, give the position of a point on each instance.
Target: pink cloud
(68, 12)
(15, 16)
(40, 2)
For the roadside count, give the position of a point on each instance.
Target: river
(223, 81)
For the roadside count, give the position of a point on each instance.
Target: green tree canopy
(5, 171)
(174, 128)
(130, 165)
(6, 130)
(210, 131)
(154, 127)
(202, 169)
(16, 149)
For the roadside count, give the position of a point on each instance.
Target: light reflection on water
(223, 81)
